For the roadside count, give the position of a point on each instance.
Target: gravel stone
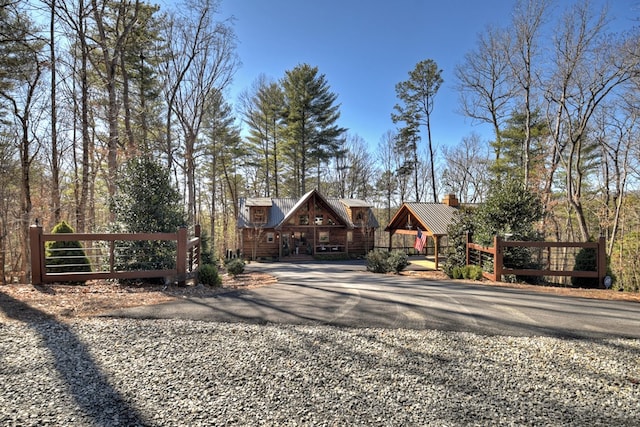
(123, 372)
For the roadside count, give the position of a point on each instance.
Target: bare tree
(466, 169)
(523, 52)
(202, 63)
(20, 91)
(486, 89)
(587, 67)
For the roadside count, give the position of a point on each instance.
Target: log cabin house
(287, 228)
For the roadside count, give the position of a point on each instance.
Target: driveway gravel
(125, 372)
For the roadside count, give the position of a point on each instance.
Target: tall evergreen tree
(311, 115)
(418, 94)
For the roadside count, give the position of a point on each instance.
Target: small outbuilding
(429, 219)
(288, 228)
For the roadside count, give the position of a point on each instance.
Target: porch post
(435, 249)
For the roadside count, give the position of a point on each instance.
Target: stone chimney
(451, 200)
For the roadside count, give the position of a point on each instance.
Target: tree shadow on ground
(98, 400)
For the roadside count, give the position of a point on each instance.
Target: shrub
(397, 261)
(385, 262)
(377, 262)
(586, 260)
(235, 266)
(463, 222)
(66, 257)
(208, 275)
(474, 272)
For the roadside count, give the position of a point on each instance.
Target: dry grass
(73, 301)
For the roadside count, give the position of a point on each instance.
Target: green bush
(208, 275)
(474, 272)
(398, 261)
(235, 266)
(377, 261)
(586, 260)
(66, 257)
(469, 272)
(386, 262)
(456, 272)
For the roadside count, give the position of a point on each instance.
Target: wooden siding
(307, 240)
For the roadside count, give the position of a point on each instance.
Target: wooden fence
(494, 257)
(102, 253)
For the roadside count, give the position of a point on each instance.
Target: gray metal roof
(356, 203)
(435, 216)
(258, 201)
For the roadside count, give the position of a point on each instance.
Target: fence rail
(494, 256)
(187, 256)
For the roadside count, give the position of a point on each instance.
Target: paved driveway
(344, 294)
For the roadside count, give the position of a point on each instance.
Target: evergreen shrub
(377, 261)
(208, 275)
(386, 262)
(586, 260)
(66, 257)
(235, 266)
(398, 261)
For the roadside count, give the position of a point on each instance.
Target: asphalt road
(345, 294)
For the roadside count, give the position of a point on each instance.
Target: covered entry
(432, 219)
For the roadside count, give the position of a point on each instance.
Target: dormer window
(259, 216)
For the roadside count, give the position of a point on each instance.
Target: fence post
(181, 262)
(602, 260)
(35, 246)
(467, 247)
(197, 249)
(497, 258)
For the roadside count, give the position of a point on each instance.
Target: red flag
(421, 239)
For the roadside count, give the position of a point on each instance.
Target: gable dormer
(358, 211)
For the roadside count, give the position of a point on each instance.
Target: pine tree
(310, 115)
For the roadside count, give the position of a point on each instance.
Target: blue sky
(365, 47)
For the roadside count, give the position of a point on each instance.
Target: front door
(286, 244)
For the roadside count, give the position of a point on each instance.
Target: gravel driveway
(124, 372)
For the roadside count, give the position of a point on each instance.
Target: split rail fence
(493, 258)
(103, 250)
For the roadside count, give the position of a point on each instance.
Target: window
(304, 220)
(270, 238)
(349, 236)
(323, 237)
(319, 219)
(259, 216)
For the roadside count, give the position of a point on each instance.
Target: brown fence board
(499, 269)
(187, 255)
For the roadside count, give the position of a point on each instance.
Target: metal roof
(259, 201)
(355, 203)
(435, 217)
